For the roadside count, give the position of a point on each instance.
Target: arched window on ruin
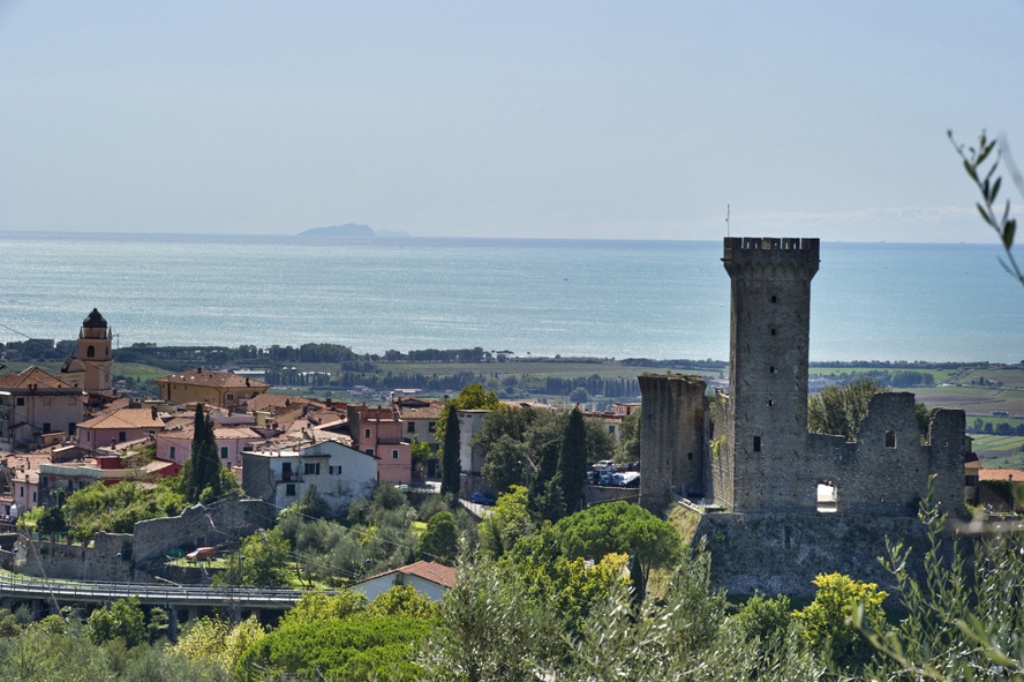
(890, 439)
(90, 352)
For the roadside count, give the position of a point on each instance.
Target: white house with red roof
(428, 577)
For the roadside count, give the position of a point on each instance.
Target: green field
(997, 443)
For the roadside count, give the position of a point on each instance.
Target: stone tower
(94, 352)
(757, 468)
(672, 440)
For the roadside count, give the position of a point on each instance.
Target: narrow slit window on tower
(771, 402)
(771, 370)
(773, 331)
(890, 439)
(757, 443)
(775, 299)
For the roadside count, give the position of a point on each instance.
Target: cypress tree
(450, 465)
(205, 466)
(572, 462)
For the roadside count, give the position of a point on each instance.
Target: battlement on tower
(770, 251)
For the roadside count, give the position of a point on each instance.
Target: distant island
(346, 230)
(349, 230)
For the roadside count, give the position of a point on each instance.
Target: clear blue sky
(514, 119)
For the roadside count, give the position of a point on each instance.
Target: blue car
(483, 498)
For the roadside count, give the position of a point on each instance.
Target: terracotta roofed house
(419, 418)
(120, 426)
(34, 402)
(221, 389)
(428, 577)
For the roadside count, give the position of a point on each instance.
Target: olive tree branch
(984, 177)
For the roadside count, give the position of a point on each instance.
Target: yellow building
(220, 389)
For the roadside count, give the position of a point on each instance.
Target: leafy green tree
(312, 504)
(963, 619)
(472, 397)
(316, 606)
(451, 466)
(546, 501)
(548, 504)
(261, 562)
(622, 528)
(117, 508)
(361, 647)
(509, 521)
(157, 624)
(579, 395)
(124, 619)
(52, 521)
(440, 542)
(421, 454)
(487, 630)
(572, 462)
(403, 600)
(628, 449)
(839, 410)
(765, 619)
(508, 463)
(215, 641)
(827, 626)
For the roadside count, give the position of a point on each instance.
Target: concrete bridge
(42, 593)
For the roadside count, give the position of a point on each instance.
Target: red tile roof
(1015, 475)
(432, 571)
(128, 418)
(422, 409)
(32, 376)
(201, 377)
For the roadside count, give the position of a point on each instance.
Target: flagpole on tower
(727, 225)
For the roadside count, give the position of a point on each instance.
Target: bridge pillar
(172, 624)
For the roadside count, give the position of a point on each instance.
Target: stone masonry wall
(672, 438)
(105, 561)
(116, 556)
(887, 471)
(226, 522)
(783, 553)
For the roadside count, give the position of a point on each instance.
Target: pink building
(120, 426)
(176, 445)
(377, 431)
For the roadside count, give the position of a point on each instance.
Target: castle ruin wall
(672, 438)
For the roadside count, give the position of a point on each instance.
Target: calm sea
(620, 299)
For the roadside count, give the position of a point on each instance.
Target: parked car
(630, 479)
(605, 478)
(201, 554)
(593, 477)
(604, 465)
(483, 498)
